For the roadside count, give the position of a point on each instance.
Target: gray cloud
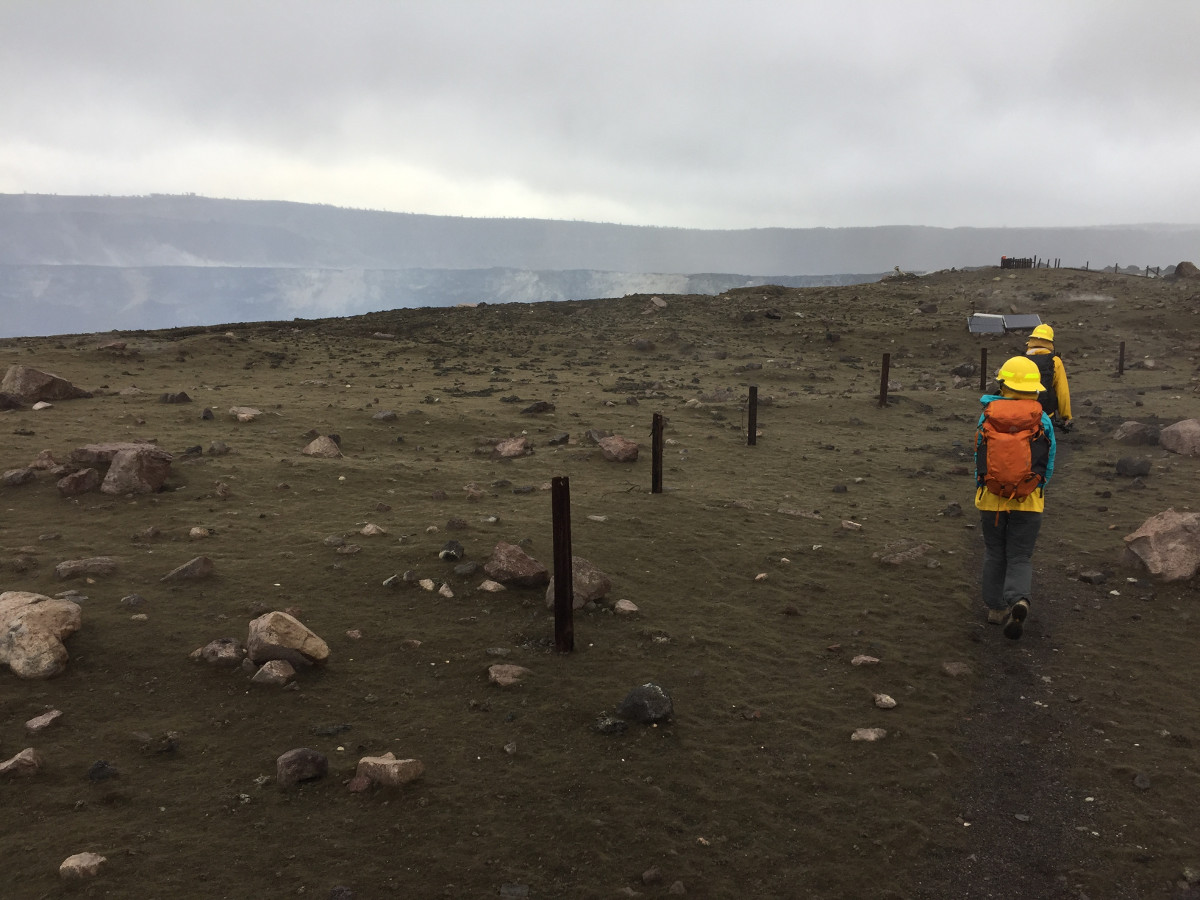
(676, 112)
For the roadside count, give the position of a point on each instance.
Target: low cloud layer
(672, 113)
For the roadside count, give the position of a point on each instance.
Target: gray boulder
(32, 630)
(1182, 437)
(510, 565)
(588, 584)
(1168, 545)
(277, 635)
(141, 470)
(1136, 433)
(31, 385)
(647, 703)
(301, 764)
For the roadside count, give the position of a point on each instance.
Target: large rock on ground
(1136, 433)
(101, 455)
(32, 629)
(1182, 437)
(142, 470)
(25, 763)
(31, 385)
(83, 481)
(388, 771)
(92, 566)
(618, 449)
(511, 565)
(80, 866)
(1168, 544)
(301, 764)
(323, 447)
(275, 673)
(588, 584)
(276, 635)
(647, 703)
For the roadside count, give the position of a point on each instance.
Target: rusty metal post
(656, 445)
(564, 580)
(883, 379)
(1121, 360)
(752, 417)
(982, 369)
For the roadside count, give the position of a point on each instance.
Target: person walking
(1056, 400)
(1014, 461)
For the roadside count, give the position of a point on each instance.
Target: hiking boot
(1014, 627)
(997, 616)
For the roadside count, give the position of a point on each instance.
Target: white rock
(81, 865)
(276, 672)
(868, 734)
(492, 587)
(883, 701)
(506, 674)
(44, 721)
(863, 660)
(277, 635)
(27, 762)
(389, 771)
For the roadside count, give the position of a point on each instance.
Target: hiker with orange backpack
(1014, 459)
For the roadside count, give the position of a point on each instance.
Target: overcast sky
(704, 114)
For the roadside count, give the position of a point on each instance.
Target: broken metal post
(982, 368)
(883, 379)
(564, 581)
(1121, 360)
(752, 417)
(656, 444)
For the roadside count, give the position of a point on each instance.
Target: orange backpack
(1012, 449)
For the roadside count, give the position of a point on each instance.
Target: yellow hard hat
(1020, 373)
(1043, 331)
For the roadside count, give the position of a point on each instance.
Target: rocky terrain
(311, 651)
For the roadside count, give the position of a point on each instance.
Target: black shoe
(1014, 627)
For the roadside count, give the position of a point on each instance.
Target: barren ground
(1062, 765)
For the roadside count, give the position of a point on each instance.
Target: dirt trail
(1019, 812)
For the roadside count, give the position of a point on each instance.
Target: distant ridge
(156, 230)
(69, 264)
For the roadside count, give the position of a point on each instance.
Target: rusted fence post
(982, 368)
(564, 580)
(752, 417)
(656, 446)
(883, 379)
(1121, 360)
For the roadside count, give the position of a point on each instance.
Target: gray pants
(1008, 540)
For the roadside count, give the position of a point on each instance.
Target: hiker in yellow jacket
(1014, 460)
(1056, 400)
